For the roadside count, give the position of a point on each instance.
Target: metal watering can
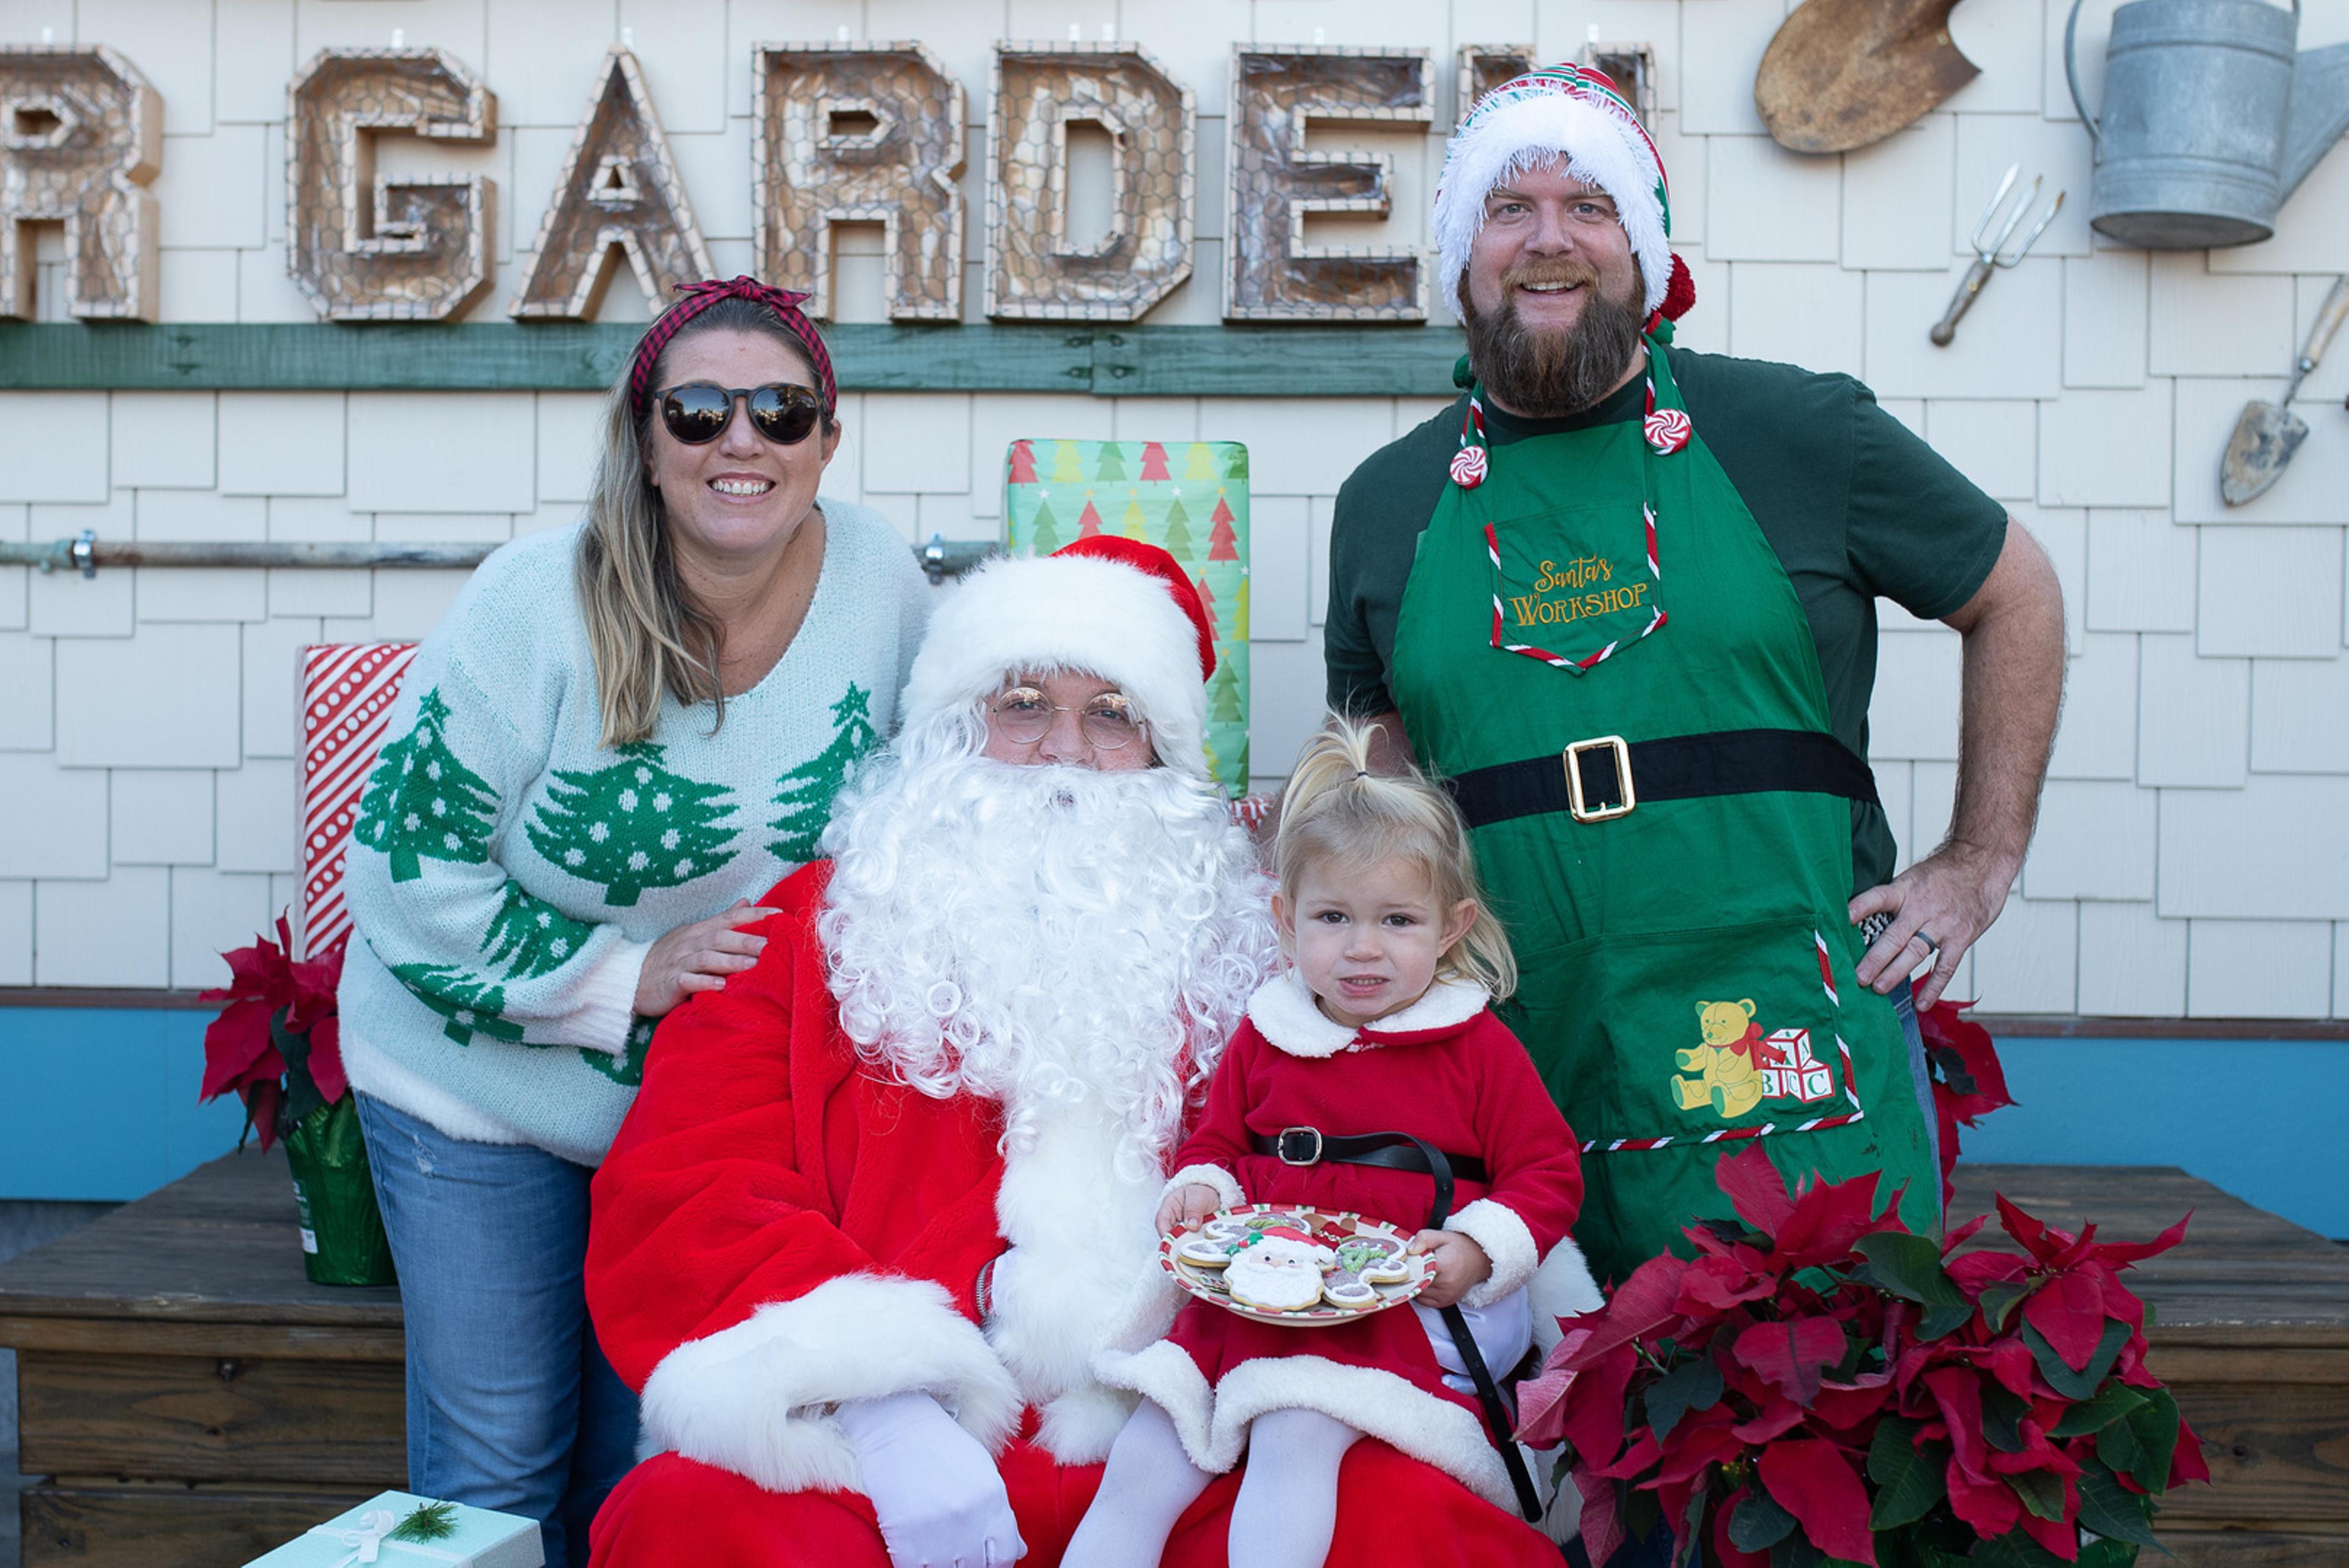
(2211, 119)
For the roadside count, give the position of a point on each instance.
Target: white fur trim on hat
(1062, 613)
(1513, 136)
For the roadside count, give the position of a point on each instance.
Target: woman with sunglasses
(622, 731)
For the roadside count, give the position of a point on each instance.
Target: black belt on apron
(1609, 776)
(1400, 1151)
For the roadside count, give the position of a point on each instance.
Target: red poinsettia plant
(1967, 1082)
(276, 1045)
(1818, 1385)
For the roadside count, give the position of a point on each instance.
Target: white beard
(1047, 937)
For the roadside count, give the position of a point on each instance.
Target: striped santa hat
(1575, 113)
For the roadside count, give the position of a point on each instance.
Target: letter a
(619, 191)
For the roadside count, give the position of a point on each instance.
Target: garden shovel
(2269, 434)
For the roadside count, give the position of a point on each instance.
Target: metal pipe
(940, 558)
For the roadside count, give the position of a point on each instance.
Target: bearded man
(885, 1195)
(1622, 597)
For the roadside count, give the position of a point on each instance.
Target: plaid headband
(698, 297)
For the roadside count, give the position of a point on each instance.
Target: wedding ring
(1931, 946)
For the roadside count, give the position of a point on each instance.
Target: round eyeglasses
(1107, 721)
(697, 412)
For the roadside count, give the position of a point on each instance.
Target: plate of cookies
(1283, 1263)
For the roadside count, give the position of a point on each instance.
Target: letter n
(1273, 183)
(1035, 269)
(619, 191)
(859, 133)
(81, 135)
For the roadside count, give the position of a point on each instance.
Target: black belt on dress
(1312, 1146)
(1608, 776)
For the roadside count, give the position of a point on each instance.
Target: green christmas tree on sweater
(632, 825)
(627, 1068)
(471, 1004)
(422, 803)
(536, 936)
(808, 789)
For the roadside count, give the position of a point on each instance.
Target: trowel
(2269, 434)
(1843, 73)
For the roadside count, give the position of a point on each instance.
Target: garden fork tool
(2268, 433)
(1993, 246)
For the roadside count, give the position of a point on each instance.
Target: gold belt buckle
(1572, 758)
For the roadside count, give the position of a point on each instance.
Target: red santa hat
(1108, 606)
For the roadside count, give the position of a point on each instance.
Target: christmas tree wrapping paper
(1189, 498)
(400, 1530)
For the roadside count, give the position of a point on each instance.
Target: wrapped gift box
(481, 1539)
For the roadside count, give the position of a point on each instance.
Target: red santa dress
(1446, 1071)
(780, 1227)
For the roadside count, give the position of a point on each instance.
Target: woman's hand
(1459, 1263)
(1186, 1205)
(698, 957)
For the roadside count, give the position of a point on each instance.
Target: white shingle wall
(2194, 854)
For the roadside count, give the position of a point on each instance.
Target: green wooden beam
(1111, 361)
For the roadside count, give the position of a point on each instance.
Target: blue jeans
(510, 1404)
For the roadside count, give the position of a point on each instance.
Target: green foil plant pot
(342, 1233)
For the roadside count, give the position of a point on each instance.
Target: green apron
(1686, 964)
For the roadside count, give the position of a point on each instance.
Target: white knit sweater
(507, 873)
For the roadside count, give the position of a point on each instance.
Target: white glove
(939, 1497)
(1504, 1332)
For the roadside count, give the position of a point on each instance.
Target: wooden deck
(194, 1399)
(189, 1396)
(2251, 1328)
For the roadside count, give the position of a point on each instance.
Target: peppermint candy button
(1668, 431)
(1468, 465)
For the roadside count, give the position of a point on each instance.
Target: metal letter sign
(859, 133)
(365, 246)
(619, 191)
(80, 133)
(1033, 270)
(1273, 274)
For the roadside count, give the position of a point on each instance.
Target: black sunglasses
(699, 412)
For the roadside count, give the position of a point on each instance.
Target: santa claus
(885, 1196)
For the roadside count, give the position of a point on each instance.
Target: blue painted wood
(101, 1102)
(2243, 1115)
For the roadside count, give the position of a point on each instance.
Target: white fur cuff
(749, 1398)
(1562, 1288)
(1227, 1187)
(1507, 1241)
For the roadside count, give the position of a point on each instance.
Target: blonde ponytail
(1337, 808)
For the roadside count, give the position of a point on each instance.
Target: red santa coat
(779, 1228)
(1446, 1071)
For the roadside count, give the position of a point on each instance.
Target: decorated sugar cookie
(1364, 1262)
(1213, 1244)
(1280, 1271)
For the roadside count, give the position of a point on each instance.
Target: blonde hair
(1336, 807)
(647, 636)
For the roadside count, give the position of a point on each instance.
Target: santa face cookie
(1279, 1272)
(1365, 1260)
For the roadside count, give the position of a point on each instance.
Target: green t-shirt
(1853, 503)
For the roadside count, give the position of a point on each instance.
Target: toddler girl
(1382, 1026)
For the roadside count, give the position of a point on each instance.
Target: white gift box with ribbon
(478, 1538)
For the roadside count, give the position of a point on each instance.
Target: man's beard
(1548, 374)
(1043, 936)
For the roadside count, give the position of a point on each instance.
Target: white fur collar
(1284, 1013)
